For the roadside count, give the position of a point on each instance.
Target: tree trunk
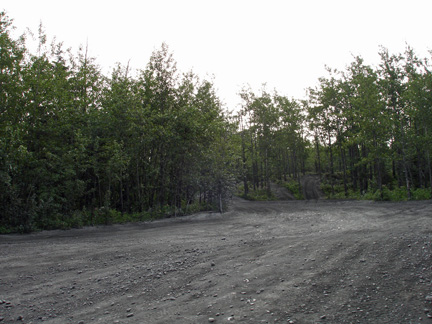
(429, 169)
(342, 151)
(244, 166)
(331, 162)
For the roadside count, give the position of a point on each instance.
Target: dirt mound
(281, 193)
(262, 262)
(311, 187)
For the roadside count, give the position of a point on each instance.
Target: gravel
(261, 262)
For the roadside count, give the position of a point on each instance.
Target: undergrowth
(293, 187)
(260, 194)
(385, 194)
(104, 216)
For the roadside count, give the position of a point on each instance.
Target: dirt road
(261, 262)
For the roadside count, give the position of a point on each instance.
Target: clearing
(262, 262)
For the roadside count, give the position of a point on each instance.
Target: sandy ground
(261, 262)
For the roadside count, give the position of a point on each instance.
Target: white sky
(285, 44)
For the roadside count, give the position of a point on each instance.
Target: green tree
(17, 206)
(393, 87)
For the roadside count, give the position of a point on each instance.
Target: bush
(5, 230)
(421, 194)
(294, 187)
(397, 194)
(326, 188)
(195, 207)
(258, 195)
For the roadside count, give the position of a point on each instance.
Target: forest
(79, 148)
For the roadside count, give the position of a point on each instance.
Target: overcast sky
(285, 44)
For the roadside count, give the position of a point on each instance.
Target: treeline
(272, 141)
(372, 128)
(79, 148)
(367, 131)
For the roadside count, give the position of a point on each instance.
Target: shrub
(397, 194)
(259, 195)
(326, 188)
(421, 194)
(294, 187)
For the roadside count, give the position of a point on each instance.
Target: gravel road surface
(312, 261)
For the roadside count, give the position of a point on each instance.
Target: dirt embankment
(311, 187)
(261, 262)
(281, 193)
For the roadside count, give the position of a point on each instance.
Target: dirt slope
(262, 262)
(280, 192)
(311, 187)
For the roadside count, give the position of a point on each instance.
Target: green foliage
(255, 195)
(79, 148)
(259, 195)
(372, 128)
(386, 194)
(333, 188)
(326, 188)
(272, 140)
(294, 187)
(421, 194)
